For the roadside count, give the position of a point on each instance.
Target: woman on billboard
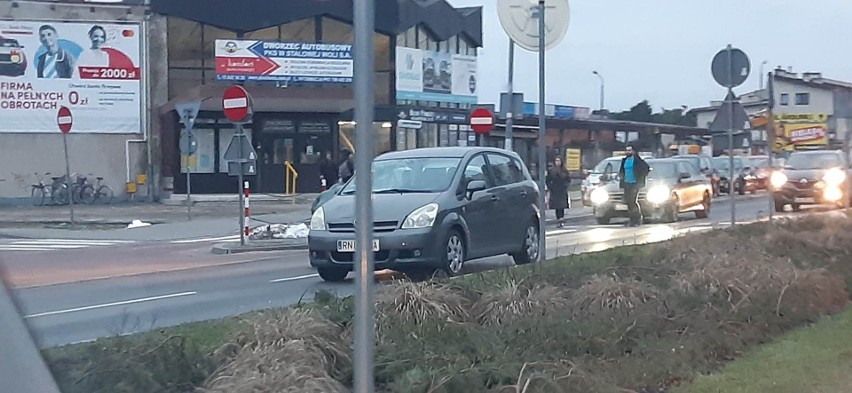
(95, 56)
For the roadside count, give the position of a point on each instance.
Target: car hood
(614, 186)
(386, 207)
(799, 174)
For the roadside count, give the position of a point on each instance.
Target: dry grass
(611, 294)
(294, 350)
(513, 301)
(417, 302)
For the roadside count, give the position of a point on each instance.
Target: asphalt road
(83, 292)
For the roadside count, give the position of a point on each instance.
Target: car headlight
(599, 196)
(423, 217)
(834, 177)
(832, 194)
(318, 220)
(778, 179)
(658, 194)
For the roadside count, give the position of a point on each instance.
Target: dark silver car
(811, 177)
(434, 208)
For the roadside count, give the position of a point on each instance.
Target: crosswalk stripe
(57, 244)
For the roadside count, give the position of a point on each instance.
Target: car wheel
(332, 274)
(703, 213)
(529, 248)
(796, 207)
(779, 207)
(454, 253)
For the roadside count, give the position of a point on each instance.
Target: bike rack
(290, 177)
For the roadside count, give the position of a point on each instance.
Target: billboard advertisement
(293, 62)
(92, 68)
(435, 76)
(800, 130)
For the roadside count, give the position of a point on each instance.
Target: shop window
(411, 38)
(203, 161)
(301, 31)
(454, 44)
(336, 31)
(381, 46)
(382, 83)
(211, 34)
(462, 46)
(184, 43)
(382, 134)
(423, 39)
(427, 136)
(400, 40)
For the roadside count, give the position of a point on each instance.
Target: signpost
(236, 103)
(481, 122)
(65, 120)
(730, 69)
(516, 17)
(188, 111)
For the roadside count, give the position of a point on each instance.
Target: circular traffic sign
(236, 103)
(730, 71)
(519, 19)
(481, 121)
(64, 119)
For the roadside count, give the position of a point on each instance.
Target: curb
(257, 246)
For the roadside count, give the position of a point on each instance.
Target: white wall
(822, 100)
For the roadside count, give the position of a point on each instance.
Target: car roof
(447, 152)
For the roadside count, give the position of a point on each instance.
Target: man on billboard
(55, 62)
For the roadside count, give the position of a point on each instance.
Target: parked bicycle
(90, 194)
(41, 192)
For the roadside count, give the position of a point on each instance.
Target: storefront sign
(435, 76)
(800, 130)
(572, 159)
(92, 68)
(433, 116)
(296, 62)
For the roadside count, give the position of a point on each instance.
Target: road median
(225, 248)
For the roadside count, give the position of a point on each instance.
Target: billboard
(435, 76)
(294, 62)
(92, 68)
(800, 130)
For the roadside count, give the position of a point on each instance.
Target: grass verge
(633, 319)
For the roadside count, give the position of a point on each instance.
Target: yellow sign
(191, 163)
(800, 130)
(141, 179)
(573, 159)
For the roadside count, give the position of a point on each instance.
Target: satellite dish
(520, 21)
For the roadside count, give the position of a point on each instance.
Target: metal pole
(188, 174)
(240, 186)
(542, 132)
(68, 178)
(364, 22)
(510, 114)
(770, 142)
(731, 137)
(598, 74)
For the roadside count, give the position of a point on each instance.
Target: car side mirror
(474, 186)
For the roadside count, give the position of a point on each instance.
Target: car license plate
(349, 245)
(621, 207)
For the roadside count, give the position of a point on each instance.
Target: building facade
(294, 58)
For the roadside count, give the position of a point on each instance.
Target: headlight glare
(832, 194)
(778, 179)
(658, 194)
(834, 177)
(422, 217)
(599, 196)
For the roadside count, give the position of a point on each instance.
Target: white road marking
(556, 232)
(105, 305)
(295, 278)
(205, 239)
(56, 244)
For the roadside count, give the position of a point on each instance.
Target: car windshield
(814, 161)
(723, 163)
(8, 43)
(662, 170)
(760, 163)
(410, 175)
(601, 167)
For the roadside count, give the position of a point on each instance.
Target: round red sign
(481, 121)
(64, 119)
(236, 104)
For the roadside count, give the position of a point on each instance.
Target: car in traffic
(434, 209)
(325, 196)
(705, 165)
(811, 178)
(13, 61)
(672, 187)
(593, 178)
(741, 177)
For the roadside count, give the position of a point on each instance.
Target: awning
(334, 99)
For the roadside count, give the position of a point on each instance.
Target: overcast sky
(661, 50)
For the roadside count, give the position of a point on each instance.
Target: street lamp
(602, 87)
(761, 73)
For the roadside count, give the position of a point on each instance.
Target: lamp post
(761, 73)
(602, 87)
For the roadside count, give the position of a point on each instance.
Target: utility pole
(542, 133)
(770, 139)
(510, 114)
(731, 97)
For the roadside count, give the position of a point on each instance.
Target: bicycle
(99, 192)
(41, 192)
(59, 190)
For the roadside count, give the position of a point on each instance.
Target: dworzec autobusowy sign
(296, 62)
(92, 68)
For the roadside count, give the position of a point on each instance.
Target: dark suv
(434, 208)
(811, 177)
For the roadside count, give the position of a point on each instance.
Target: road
(78, 290)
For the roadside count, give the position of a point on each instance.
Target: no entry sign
(481, 121)
(64, 119)
(236, 104)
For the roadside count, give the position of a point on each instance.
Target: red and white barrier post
(246, 194)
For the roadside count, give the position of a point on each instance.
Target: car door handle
(495, 198)
(523, 193)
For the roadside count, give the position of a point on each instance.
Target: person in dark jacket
(632, 174)
(347, 167)
(55, 62)
(558, 181)
(328, 171)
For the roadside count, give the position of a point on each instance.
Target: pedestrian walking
(632, 176)
(328, 171)
(347, 167)
(558, 180)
